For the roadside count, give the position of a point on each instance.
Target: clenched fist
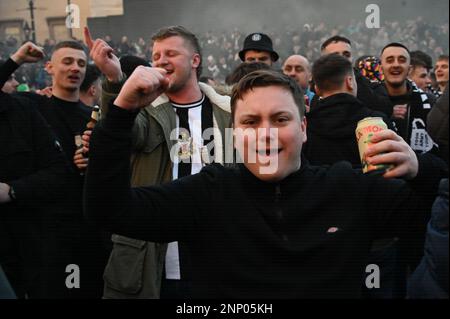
(28, 53)
(142, 88)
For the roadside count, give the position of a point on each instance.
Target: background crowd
(221, 47)
(333, 89)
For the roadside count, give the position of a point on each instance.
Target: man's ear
(49, 67)
(316, 88)
(303, 125)
(196, 59)
(349, 83)
(92, 90)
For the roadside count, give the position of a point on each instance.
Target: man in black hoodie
(373, 99)
(332, 122)
(258, 230)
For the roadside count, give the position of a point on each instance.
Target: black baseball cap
(258, 42)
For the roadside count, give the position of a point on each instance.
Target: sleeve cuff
(11, 66)
(119, 119)
(114, 87)
(431, 170)
(6, 70)
(21, 192)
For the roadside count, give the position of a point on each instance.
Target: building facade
(52, 18)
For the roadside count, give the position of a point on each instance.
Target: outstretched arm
(164, 213)
(27, 53)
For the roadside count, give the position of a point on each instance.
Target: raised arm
(164, 213)
(108, 63)
(27, 53)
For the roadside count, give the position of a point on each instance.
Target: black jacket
(370, 95)
(66, 237)
(437, 124)
(34, 166)
(305, 237)
(65, 119)
(413, 128)
(430, 279)
(331, 126)
(6, 69)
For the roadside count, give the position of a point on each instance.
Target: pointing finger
(88, 38)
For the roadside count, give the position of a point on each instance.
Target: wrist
(119, 119)
(17, 59)
(115, 78)
(124, 104)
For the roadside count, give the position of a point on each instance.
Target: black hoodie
(331, 126)
(306, 236)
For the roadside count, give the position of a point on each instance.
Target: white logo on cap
(256, 37)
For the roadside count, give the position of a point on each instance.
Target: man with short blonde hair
(174, 136)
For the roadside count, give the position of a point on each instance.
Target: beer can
(364, 132)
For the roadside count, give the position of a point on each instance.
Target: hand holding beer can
(364, 131)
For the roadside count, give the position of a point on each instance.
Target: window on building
(57, 29)
(12, 29)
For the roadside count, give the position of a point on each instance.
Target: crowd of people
(240, 178)
(221, 47)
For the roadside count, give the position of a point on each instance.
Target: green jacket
(135, 267)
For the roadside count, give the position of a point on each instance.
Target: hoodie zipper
(279, 212)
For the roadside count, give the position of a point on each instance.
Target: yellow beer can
(366, 128)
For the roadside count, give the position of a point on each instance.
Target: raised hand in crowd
(142, 88)
(390, 149)
(28, 53)
(103, 56)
